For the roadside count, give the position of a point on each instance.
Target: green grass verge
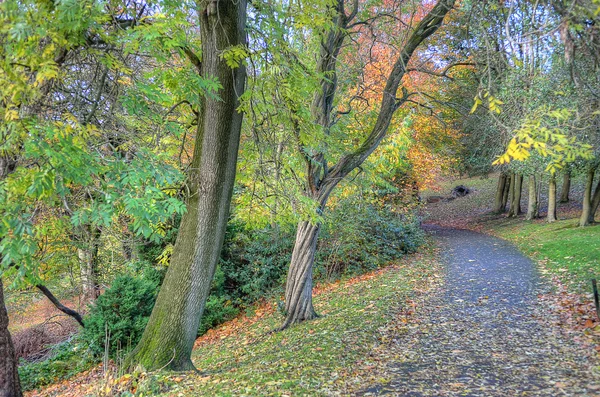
(569, 251)
(319, 357)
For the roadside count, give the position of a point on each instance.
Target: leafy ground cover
(333, 354)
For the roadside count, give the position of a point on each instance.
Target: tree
(171, 331)
(322, 176)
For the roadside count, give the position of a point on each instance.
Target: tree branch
(59, 305)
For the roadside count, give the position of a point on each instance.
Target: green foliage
(120, 315)
(547, 131)
(371, 236)
(66, 360)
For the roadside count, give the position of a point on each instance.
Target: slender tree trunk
(551, 217)
(533, 204)
(566, 187)
(298, 291)
(506, 193)
(517, 188)
(584, 219)
(499, 205)
(169, 337)
(88, 263)
(9, 377)
(595, 203)
(511, 193)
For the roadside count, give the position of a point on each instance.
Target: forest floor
(468, 316)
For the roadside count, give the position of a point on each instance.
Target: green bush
(120, 314)
(67, 359)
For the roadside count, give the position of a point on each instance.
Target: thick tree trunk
(298, 290)
(9, 377)
(499, 204)
(566, 187)
(169, 337)
(551, 217)
(533, 203)
(517, 188)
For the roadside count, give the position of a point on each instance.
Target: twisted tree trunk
(551, 217)
(169, 337)
(298, 291)
(322, 178)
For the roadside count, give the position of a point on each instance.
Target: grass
(563, 248)
(329, 355)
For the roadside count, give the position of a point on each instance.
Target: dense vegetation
(165, 166)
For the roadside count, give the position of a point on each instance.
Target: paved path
(485, 335)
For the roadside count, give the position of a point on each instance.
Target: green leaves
(547, 131)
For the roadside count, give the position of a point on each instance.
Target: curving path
(486, 334)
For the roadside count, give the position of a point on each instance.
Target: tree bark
(566, 187)
(506, 193)
(551, 217)
(586, 210)
(533, 203)
(60, 306)
(499, 204)
(322, 179)
(9, 376)
(515, 205)
(169, 337)
(595, 203)
(298, 292)
(88, 262)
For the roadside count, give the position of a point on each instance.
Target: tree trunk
(506, 193)
(9, 377)
(517, 188)
(88, 263)
(511, 193)
(586, 212)
(551, 217)
(499, 204)
(169, 337)
(566, 187)
(595, 203)
(298, 290)
(532, 204)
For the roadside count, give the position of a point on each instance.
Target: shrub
(120, 314)
(66, 359)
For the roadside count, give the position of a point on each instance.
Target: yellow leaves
(11, 115)
(546, 132)
(494, 104)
